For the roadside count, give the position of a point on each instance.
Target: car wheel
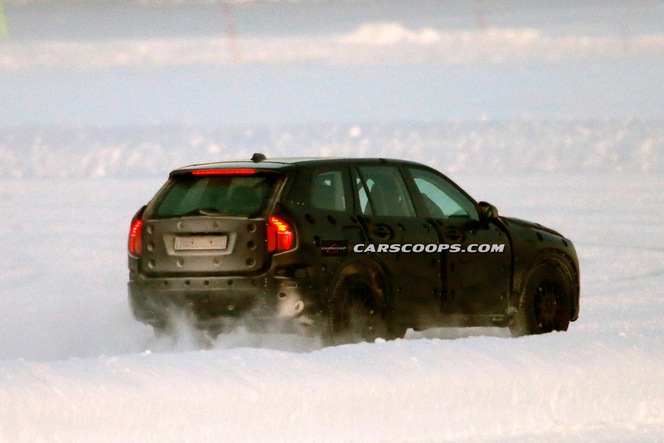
(545, 299)
(354, 313)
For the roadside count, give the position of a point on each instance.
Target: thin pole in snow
(231, 32)
(4, 32)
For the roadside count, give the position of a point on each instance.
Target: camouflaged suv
(352, 249)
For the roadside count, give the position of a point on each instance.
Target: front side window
(387, 193)
(442, 198)
(234, 195)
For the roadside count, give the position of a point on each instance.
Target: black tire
(355, 313)
(546, 299)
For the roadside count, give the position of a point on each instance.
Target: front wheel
(546, 297)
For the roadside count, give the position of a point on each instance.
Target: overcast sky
(108, 63)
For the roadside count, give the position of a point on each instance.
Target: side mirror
(487, 211)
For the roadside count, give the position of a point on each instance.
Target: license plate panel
(201, 243)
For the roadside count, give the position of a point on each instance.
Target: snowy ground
(74, 365)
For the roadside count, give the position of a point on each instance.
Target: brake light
(135, 238)
(243, 171)
(280, 235)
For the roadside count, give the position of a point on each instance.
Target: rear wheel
(355, 313)
(545, 300)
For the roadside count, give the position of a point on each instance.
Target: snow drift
(629, 145)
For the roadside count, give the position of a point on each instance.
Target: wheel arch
(360, 286)
(555, 257)
(371, 272)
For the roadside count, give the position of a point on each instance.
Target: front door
(475, 255)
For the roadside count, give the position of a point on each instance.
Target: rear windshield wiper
(203, 211)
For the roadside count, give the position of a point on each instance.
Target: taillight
(135, 238)
(280, 235)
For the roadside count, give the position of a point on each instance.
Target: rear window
(234, 195)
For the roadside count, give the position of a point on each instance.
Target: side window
(387, 193)
(327, 191)
(442, 198)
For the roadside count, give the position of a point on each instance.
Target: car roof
(265, 164)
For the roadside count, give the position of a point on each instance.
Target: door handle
(454, 235)
(383, 231)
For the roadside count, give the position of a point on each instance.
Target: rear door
(321, 205)
(396, 239)
(209, 223)
(475, 256)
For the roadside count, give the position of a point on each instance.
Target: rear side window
(234, 195)
(327, 191)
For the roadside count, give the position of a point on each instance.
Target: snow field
(408, 390)
(74, 365)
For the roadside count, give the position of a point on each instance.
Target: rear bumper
(260, 302)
